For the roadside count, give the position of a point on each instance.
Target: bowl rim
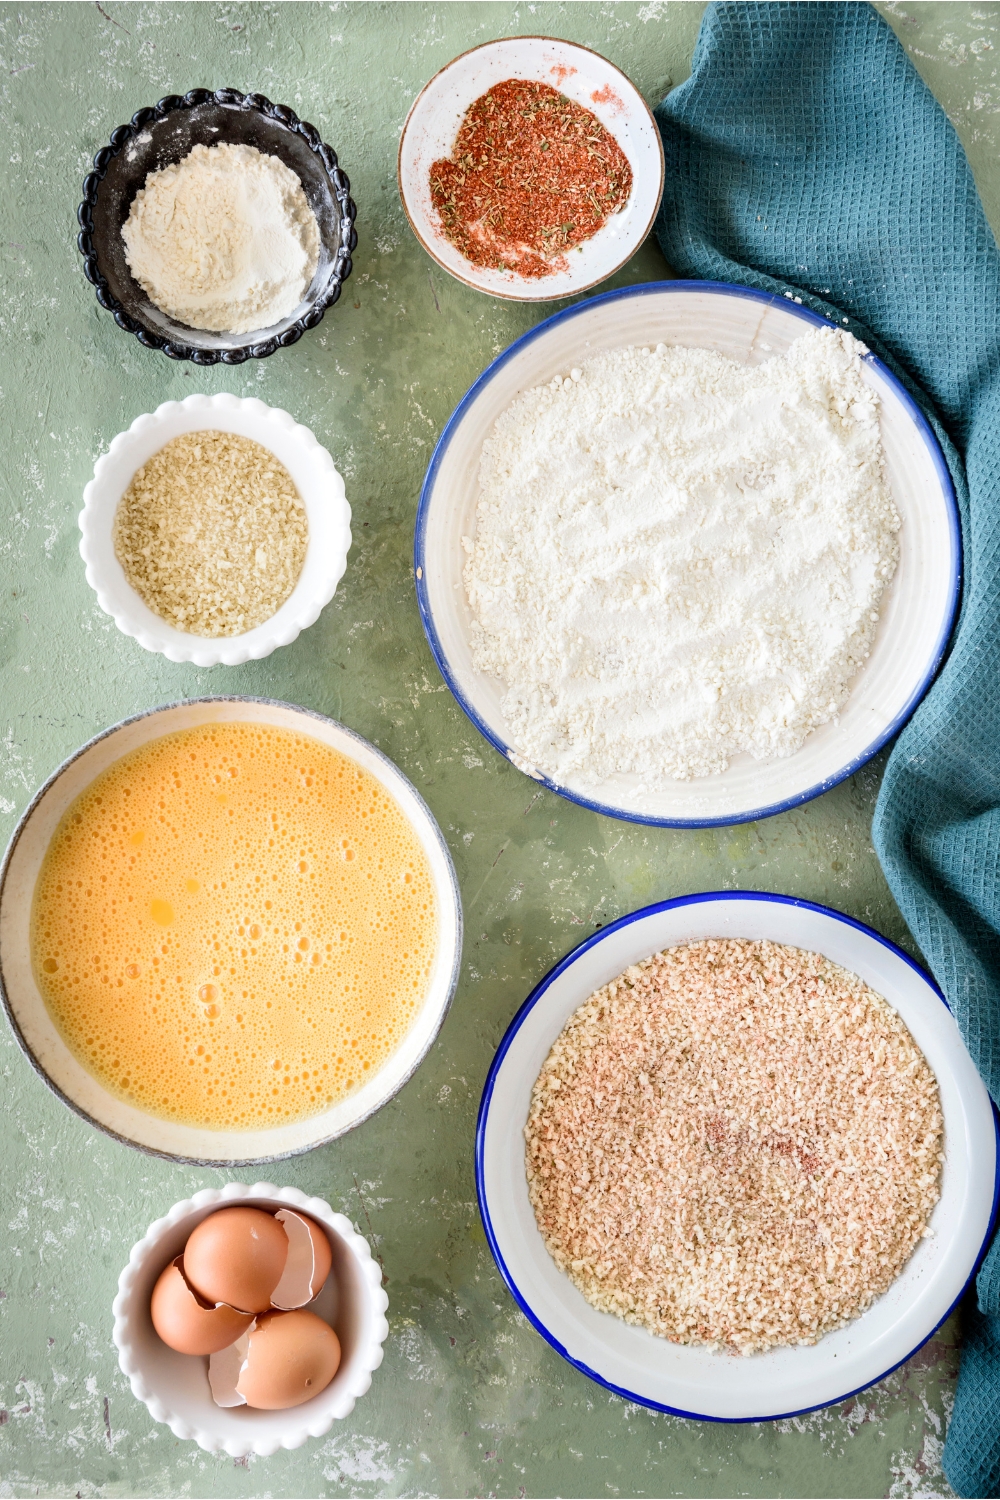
(482, 1120)
(234, 1193)
(472, 281)
(682, 287)
(232, 1163)
(283, 115)
(165, 639)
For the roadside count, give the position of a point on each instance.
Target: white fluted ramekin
(317, 480)
(175, 1386)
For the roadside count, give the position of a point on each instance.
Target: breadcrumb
(735, 1143)
(212, 533)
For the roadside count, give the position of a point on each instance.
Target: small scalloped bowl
(317, 480)
(175, 1386)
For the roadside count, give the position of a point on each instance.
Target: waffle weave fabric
(805, 157)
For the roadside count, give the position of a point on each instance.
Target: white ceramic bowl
(586, 78)
(916, 615)
(41, 1041)
(317, 481)
(691, 1381)
(175, 1386)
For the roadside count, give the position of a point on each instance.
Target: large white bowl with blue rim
(692, 1381)
(916, 614)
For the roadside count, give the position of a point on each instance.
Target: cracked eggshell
(224, 1369)
(237, 1256)
(186, 1322)
(291, 1357)
(308, 1264)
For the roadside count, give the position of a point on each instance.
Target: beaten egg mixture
(233, 927)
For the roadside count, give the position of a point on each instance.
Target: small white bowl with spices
(215, 530)
(530, 168)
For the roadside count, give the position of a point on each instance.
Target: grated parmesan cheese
(212, 533)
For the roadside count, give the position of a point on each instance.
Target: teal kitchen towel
(804, 156)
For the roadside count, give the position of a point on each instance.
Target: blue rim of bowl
(242, 1161)
(727, 289)
(283, 115)
(483, 1120)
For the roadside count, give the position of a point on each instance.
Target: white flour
(224, 239)
(678, 557)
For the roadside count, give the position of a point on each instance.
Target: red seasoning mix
(531, 175)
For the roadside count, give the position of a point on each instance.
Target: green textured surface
(469, 1400)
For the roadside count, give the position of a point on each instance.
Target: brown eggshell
(185, 1323)
(224, 1369)
(308, 1264)
(237, 1256)
(292, 1357)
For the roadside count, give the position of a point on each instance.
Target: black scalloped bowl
(165, 133)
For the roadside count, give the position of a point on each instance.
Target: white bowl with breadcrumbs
(692, 1380)
(320, 487)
